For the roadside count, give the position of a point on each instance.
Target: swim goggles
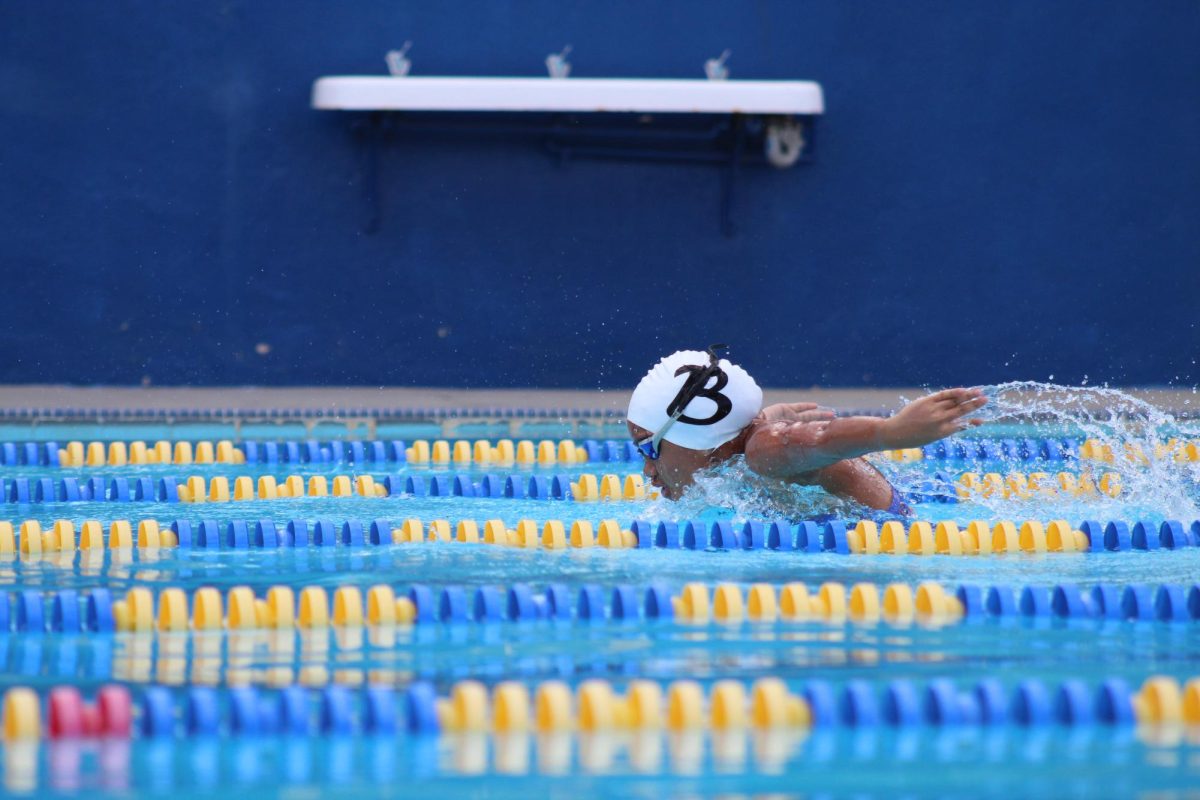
(648, 447)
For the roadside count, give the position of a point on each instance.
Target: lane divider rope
(545, 452)
(174, 609)
(592, 706)
(587, 487)
(1024, 486)
(1050, 450)
(219, 489)
(866, 537)
(403, 413)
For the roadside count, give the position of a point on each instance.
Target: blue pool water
(832, 758)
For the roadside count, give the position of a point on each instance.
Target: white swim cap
(726, 403)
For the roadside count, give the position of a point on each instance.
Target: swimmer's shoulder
(763, 422)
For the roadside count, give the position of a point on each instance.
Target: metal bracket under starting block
(726, 124)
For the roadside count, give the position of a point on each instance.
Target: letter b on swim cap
(686, 394)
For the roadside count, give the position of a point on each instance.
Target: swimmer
(693, 410)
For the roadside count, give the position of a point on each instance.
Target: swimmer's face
(676, 466)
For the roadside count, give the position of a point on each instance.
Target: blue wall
(1002, 190)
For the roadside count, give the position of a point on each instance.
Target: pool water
(846, 667)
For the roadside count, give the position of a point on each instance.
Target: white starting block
(716, 121)
(575, 95)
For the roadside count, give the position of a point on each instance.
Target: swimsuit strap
(898, 506)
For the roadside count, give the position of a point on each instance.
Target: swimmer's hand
(933, 417)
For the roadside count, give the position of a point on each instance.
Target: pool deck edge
(253, 397)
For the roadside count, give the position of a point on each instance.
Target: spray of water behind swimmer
(1155, 483)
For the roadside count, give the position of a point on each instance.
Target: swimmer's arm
(781, 449)
(795, 412)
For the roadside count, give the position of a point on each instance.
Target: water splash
(1155, 484)
(732, 489)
